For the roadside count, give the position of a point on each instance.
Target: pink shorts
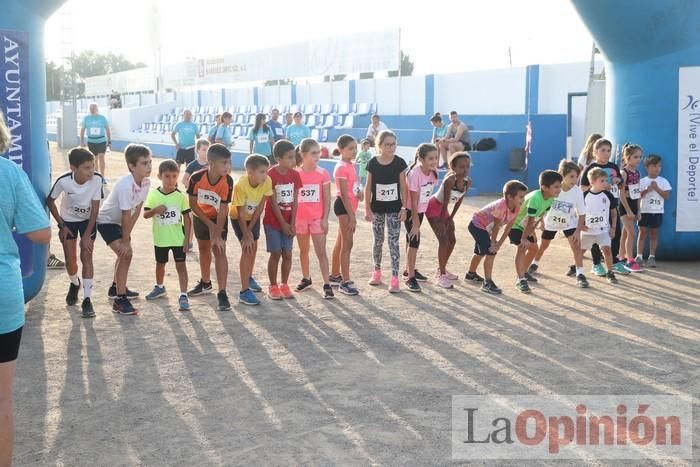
(309, 227)
(434, 208)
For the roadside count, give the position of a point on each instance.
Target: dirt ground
(355, 381)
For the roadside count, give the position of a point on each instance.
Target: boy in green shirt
(362, 159)
(170, 210)
(533, 209)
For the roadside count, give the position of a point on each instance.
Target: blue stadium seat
(323, 136)
(266, 109)
(329, 121)
(362, 109)
(294, 108)
(348, 122)
(253, 110)
(326, 109)
(177, 110)
(343, 109)
(250, 122)
(315, 133)
(353, 108)
(242, 132)
(283, 108)
(373, 108)
(240, 120)
(204, 129)
(312, 120)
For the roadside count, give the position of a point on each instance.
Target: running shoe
(112, 293)
(530, 277)
(394, 285)
(183, 302)
(445, 282)
(157, 292)
(123, 306)
(87, 310)
(335, 280)
(473, 277)
(610, 276)
(490, 287)
(328, 291)
(286, 291)
(651, 261)
(72, 295)
(599, 270)
(412, 285)
(581, 281)
(532, 269)
(254, 286)
(572, 271)
(416, 273)
(620, 268)
(304, 284)
(633, 266)
(523, 286)
(348, 288)
(200, 289)
(376, 278)
(54, 263)
(274, 292)
(223, 303)
(247, 297)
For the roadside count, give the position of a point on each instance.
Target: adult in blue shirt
(275, 125)
(98, 136)
(187, 133)
(22, 212)
(261, 138)
(223, 132)
(297, 131)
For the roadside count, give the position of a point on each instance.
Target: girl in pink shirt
(422, 178)
(348, 197)
(314, 199)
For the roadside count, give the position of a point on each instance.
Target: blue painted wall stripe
(294, 93)
(532, 91)
(255, 96)
(429, 94)
(223, 98)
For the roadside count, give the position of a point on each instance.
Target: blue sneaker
(599, 270)
(157, 292)
(620, 268)
(247, 297)
(253, 285)
(183, 302)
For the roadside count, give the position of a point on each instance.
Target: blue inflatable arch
(647, 45)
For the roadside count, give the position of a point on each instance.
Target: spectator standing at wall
(275, 125)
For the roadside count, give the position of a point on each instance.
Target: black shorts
(110, 232)
(184, 156)
(516, 237)
(651, 221)
(162, 254)
(9, 345)
(239, 233)
(550, 234)
(97, 148)
(339, 207)
(79, 228)
(201, 231)
(482, 240)
(415, 242)
(634, 207)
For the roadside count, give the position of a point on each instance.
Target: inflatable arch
(652, 50)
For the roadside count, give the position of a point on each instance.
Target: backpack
(485, 144)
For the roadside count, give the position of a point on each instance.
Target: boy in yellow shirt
(249, 196)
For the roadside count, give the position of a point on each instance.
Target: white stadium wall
(492, 92)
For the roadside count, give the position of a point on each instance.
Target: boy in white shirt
(655, 190)
(117, 218)
(601, 218)
(82, 192)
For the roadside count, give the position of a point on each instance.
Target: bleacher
(320, 118)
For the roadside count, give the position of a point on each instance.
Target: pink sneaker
(633, 266)
(274, 292)
(394, 285)
(450, 276)
(376, 278)
(286, 291)
(445, 282)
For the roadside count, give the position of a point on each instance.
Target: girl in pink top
(422, 178)
(314, 199)
(348, 197)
